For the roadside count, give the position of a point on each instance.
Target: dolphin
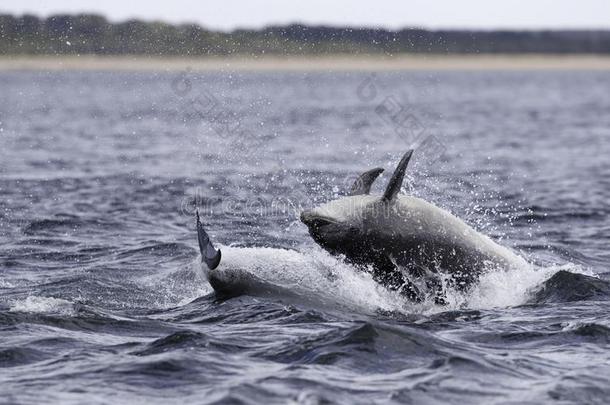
(402, 239)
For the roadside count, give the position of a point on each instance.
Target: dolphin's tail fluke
(209, 255)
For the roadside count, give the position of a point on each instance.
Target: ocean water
(103, 298)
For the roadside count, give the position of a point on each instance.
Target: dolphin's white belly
(417, 221)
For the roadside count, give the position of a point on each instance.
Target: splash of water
(314, 276)
(43, 305)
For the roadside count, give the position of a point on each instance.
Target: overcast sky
(229, 14)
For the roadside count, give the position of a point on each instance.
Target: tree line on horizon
(94, 35)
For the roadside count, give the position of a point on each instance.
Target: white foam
(313, 276)
(316, 276)
(514, 287)
(44, 305)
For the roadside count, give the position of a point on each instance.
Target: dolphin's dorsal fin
(363, 183)
(209, 255)
(396, 181)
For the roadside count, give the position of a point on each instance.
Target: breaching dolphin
(408, 244)
(404, 240)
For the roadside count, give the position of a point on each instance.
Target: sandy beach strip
(306, 63)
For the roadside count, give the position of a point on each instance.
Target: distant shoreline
(307, 63)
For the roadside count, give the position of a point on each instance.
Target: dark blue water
(103, 299)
